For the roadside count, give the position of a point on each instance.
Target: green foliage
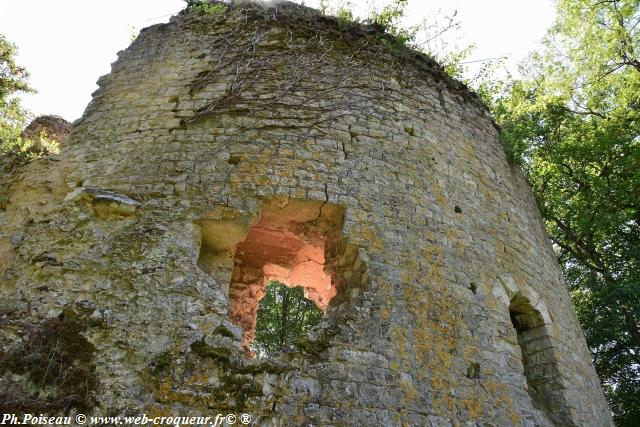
(13, 80)
(426, 37)
(206, 7)
(453, 62)
(284, 315)
(27, 149)
(389, 17)
(344, 15)
(573, 123)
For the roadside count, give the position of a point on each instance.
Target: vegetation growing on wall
(58, 362)
(206, 7)
(428, 36)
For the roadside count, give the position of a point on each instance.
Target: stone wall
(449, 307)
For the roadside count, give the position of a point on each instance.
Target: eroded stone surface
(259, 116)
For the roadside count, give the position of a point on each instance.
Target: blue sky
(67, 45)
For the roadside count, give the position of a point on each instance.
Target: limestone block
(509, 285)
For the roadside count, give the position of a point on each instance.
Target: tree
(573, 123)
(284, 314)
(13, 80)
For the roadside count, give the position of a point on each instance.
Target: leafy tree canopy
(13, 80)
(573, 123)
(284, 314)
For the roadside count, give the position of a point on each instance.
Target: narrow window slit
(538, 359)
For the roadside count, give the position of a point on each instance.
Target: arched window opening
(539, 360)
(284, 314)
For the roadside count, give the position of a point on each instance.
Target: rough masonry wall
(209, 117)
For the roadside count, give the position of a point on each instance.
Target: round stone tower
(257, 142)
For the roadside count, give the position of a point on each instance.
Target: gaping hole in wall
(538, 358)
(297, 243)
(284, 315)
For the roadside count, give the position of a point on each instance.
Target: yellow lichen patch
(449, 403)
(399, 339)
(409, 390)
(434, 256)
(484, 188)
(443, 358)
(423, 346)
(166, 394)
(469, 353)
(441, 198)
(385, 287)
(264, 180)
(198, 379)
(405, 276)
(5, 253)
(368, 234)
(515, 418)
(473, 407)
(442, 325)
(500, 395)
(454, 241)
(164, 391)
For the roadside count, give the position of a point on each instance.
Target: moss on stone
(161, 363)
(202, 349)
(223, 331)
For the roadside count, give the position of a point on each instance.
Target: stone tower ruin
(260, 142)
